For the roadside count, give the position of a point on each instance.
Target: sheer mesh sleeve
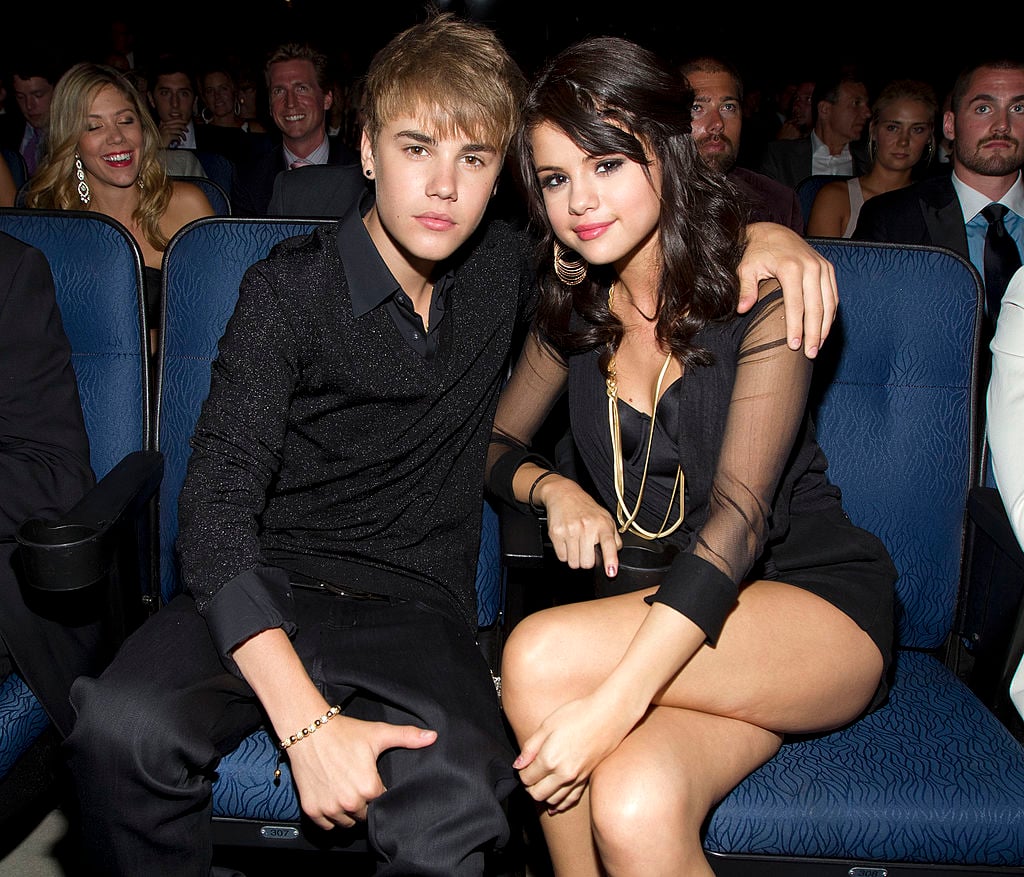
(766, 411)
(537, 382)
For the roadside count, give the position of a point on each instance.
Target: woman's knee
(631, 805)
(532, 665)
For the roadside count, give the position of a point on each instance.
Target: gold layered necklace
(626, 517)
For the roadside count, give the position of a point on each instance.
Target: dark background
(767, 43)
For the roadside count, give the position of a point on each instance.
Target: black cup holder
(62, 557)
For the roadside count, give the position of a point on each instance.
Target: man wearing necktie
(986, 124)
(33, 93)
(300, 97)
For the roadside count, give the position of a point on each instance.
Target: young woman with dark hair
(637, 712)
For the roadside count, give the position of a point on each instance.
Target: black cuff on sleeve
(504, 470)
(255, 600)
(700, 591)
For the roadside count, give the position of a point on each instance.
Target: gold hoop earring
(570, 271)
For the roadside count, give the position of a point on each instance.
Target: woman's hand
(556, 761)
(578, 526)
(808, 282)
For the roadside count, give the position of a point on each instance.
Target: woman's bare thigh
(786, 659)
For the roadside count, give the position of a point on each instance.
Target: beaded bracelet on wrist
(303, 733)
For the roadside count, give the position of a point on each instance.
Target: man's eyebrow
(418, 136)
(429, 140)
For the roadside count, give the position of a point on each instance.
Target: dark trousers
(151, 729)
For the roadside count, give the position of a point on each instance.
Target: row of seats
(933, 778)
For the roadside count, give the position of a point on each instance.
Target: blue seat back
(16, 165)
(219, 168)
(807, 190)
(896, 416)
(203, 268)
(214, 192)
(97, 275)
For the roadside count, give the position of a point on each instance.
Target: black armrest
(991, 622)
(79, 549)
(988, 513)
(522, 537)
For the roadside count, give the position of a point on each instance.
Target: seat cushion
(245, 786)
(22, 720)
(930, 777)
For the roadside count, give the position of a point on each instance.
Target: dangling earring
(872, 150)
(929, 152)
(570, 271)
(83, 186)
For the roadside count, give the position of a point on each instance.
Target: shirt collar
(370, 281)
(972, 202)
(319, 155)
(818, 147)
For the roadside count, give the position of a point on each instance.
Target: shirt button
(415, 336)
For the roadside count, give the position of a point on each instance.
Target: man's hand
(808, 282)
(173, 131)
(335, 769)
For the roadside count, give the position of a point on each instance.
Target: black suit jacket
(927, 212)
(790, 161)
(254, 179)
(319, 191)
(44, 470)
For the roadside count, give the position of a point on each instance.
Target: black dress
(757, 501)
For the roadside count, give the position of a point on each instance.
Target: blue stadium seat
(932, 779)
(97, 272)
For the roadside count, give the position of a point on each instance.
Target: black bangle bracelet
(529, 500)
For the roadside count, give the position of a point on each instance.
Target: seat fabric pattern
(97, 275)
(22, 720)
(923, 779)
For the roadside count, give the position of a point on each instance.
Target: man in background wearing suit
(298, 81)
(986, 124)
(841, 109)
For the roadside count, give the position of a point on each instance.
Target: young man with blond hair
(330, 516)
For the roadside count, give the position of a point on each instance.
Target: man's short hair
(963, 79)
(455, 70)
(710, 64)
(170, 65)
(302, 52)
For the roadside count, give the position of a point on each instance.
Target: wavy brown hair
(611, 96)
(55, 186)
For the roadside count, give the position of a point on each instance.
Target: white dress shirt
(824, 162)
